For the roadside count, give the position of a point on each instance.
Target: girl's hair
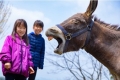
(17, 23)
(38, 23)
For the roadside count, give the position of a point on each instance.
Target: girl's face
(37, 29)
(21, 30)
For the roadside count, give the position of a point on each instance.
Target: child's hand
(31, 70)
(7, 65)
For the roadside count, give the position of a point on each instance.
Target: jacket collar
(17, 36)
(32, 33)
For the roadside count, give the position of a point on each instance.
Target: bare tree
(80, 65)
(5, 12)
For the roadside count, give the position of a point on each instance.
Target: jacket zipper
(21, 58)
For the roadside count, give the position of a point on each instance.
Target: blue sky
(53, 12)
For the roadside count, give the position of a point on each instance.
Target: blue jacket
(37, 49)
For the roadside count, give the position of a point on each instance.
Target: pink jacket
(17, 53)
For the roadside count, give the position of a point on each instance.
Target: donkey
(96, 37)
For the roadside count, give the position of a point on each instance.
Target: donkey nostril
(53, 30)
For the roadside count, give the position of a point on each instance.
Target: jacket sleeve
(30, 59)
(42, 55)
(5, 54)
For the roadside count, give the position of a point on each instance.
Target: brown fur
(104, 42)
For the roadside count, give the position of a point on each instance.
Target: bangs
(21, 23)
(38, 23)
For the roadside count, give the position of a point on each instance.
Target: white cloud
(29, 16)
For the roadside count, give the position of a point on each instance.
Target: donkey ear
(91, 8)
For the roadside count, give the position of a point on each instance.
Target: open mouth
(60, 39)
(60, 43)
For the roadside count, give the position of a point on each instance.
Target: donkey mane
(112, 27)
(104, 43)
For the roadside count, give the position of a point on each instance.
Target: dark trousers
(10, 76)
(32, 76)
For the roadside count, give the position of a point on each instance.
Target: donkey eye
(82, 21)
(76, 21)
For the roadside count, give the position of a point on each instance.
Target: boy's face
(37, 29)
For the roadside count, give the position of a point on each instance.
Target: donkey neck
(103, 37)
(104, 45)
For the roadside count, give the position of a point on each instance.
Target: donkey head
(71, 34)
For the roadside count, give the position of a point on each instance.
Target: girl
(15, 55)
(37, 47)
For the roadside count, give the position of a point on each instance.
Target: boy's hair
(17, 23)
(38, 23)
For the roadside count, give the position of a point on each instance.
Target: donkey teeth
(50, 38)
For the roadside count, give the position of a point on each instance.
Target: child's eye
(24, 28)
(21, 27)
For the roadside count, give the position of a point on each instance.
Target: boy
(37, 47)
